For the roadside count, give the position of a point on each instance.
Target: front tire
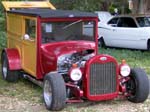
(138, 86)
(7, 74)
(101, 42)
(54, 92)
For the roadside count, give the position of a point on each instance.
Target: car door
(127, 34)
(29, 46)
(107, 31)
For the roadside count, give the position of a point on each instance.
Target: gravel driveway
(11, 104)
(8, 104)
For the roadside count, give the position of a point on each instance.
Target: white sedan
(126, 32)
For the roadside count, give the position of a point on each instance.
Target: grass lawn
(135, 58)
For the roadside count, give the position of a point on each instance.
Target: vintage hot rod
(55, 49)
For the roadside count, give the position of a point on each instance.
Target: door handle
(114, 30)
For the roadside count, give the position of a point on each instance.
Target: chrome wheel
(4, 68)
(47, 93)
(54, 91)
(7, 74)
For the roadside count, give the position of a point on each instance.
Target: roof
(134, 15)
(48, 13)
(8, 5)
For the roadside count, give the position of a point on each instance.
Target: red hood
(51, 52)
(59, 48)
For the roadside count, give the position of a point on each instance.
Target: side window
(113, 22)
(127, 22)
(30, 28)
(88, 28)
(47, 32)
(143, 21)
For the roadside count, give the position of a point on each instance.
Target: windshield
(143, 21)
(66, 31)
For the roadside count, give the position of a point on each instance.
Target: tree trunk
(147, 6)
(141, 6)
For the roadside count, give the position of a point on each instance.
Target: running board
(37, 82)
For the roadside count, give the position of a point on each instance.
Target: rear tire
(54, 92)
(138, 86)
(148, 45)
(7, 74)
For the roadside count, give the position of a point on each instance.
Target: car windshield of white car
(143, 21)
(68, 31)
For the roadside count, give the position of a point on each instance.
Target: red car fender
(13, 57)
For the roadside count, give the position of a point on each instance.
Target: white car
(128, 31)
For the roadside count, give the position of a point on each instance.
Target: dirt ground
(12, 104)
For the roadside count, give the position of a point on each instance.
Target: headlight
(75, 74)
(125, 70)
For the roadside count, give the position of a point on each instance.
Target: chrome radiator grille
(102, 78)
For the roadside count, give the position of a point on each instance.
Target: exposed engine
(65, 61)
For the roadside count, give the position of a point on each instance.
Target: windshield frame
(94, 19)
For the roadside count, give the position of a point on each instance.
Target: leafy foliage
(1, 10)
(135, 58)
(2, 39)
(92, 5)
(83, 5)
(2, 33)
(87, 5)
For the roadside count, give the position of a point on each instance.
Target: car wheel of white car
(54, 92)
(148, 45)
(101, 42)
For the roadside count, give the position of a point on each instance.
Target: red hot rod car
(54, 49)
